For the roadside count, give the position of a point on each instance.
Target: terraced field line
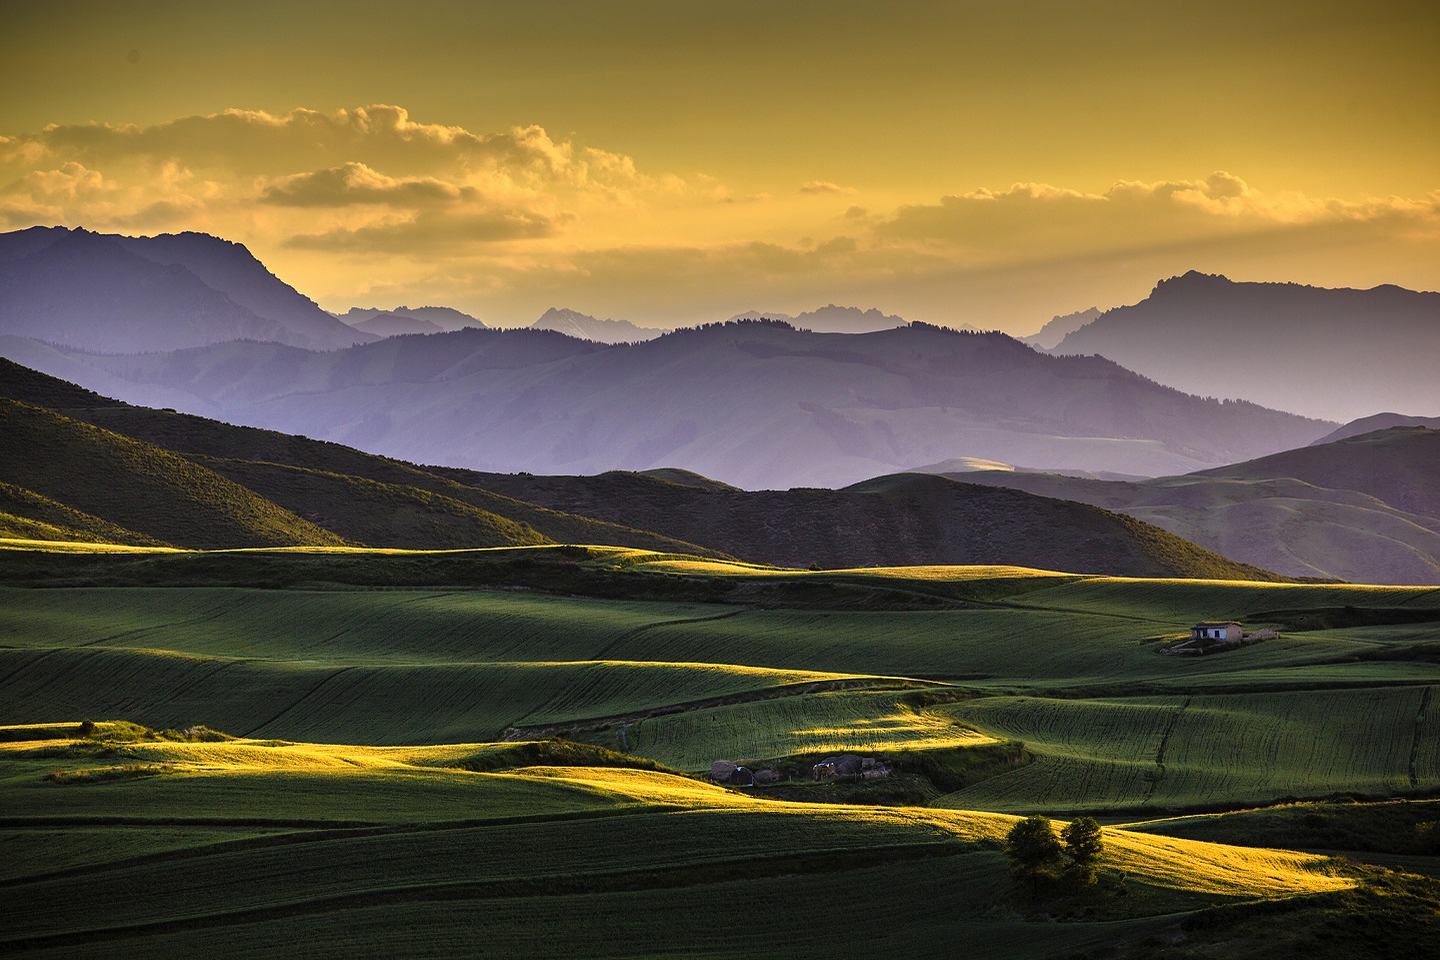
(299, 700)
(1160, 751)
(305, 835)
(154, 626)
(668, 877)
(603, 652)
(1425, 699)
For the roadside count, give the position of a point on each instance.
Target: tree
(1032, 846)
(1083, 843)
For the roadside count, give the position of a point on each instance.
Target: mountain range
(131, 294)
(406, 320)
(1059, 327)
(1334, 354)
(78, 466)
(755, 404)
(582, 326)
(832, 319)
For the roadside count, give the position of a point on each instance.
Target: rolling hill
(1363, 508)
(122, 294)
(754, 404)
(1337, 354)
(353, 497)
(887, 521)
(1380, 421)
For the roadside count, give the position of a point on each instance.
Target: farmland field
(392, 772)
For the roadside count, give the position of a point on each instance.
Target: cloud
(431, 230)
(356, 183)
(825, 186)
(1036, 220)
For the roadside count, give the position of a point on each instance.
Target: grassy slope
(902, 519)
(717, 872)
(477, 857)
(26, 515)
(341, 487)
(139, 486)
(1359, 509)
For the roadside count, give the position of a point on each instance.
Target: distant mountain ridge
(754, 404)
(1331, 353)
(404, 319)
(133, 294)
(832, 319)
(582, 326)
(389, 323)
(1059, 327)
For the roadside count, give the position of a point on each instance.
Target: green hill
(1363, 508)
(138, 486)
(357, 497)
(895, 520)
(364, 499)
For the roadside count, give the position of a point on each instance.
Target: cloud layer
(367, 203)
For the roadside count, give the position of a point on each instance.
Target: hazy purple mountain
(114, 293)
(832, 319)
(388, 323)
(429, 319)
(1059, 327)
(754, 404)
(1338, 354)
(1380, 421)
(582, 326)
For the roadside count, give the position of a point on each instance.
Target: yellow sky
(978, 163)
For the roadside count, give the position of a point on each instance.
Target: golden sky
(987, 164)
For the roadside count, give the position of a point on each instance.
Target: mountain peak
(582, 326)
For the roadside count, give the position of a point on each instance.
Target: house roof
(1218, 623)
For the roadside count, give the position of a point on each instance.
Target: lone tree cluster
(1036, 851)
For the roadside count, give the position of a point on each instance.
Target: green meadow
(320, 752)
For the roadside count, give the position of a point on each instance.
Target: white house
(1226, 632)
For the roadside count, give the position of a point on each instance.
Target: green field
(370, 807)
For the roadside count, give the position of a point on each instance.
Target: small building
(1218, 632)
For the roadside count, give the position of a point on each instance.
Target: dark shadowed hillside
(1361, 509)
(752, 404)
(1338, 354)
(318, 492)
(137, 486)
(129, 294)
(355, 496)
(894, 520)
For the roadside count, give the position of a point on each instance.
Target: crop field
(1205, 751)
(385, 848)
(832, 722)
(381, 772)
